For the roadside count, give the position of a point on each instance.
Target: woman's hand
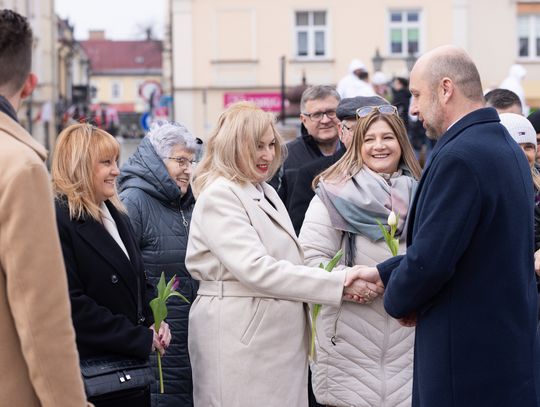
(363, 284)
(162, 339)
(537, 262)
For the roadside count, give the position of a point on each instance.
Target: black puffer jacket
(304, 193)
(160, 218)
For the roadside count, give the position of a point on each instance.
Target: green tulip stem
(160, 373)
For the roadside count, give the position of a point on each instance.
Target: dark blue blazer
(468, 274)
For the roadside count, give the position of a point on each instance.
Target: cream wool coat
(38, 356)
(248, 328)
(364, 356)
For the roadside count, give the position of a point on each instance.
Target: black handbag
(106, 375)
(109, 375)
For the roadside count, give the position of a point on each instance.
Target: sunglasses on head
(383, 109)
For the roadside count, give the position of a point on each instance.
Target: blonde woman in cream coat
(363, 356)
(248, 327)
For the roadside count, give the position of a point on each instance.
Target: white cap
(517, 71)
(355, 65)
(519, 127)
(379, 78)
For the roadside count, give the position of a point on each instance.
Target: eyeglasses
(317, 116)
(182, 162)
(345, 127)
(383, 109)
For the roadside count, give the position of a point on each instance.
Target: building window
(404, 32)
(528, 26)
(311, 34)
(115, 90)
(93, 92)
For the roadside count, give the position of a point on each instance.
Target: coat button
(114, 278)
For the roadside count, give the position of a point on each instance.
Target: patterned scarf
(354, 205)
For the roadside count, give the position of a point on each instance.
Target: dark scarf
(7, 108)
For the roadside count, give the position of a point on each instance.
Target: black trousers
(127, 398)
(311, 397)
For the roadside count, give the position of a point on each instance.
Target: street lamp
(377, 61)
(410, 61)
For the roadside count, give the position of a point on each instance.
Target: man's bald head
(451, 62)
(446, 86)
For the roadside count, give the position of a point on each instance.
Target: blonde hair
(78, 148)
(535, 177)
(351, 162)
(231, 148)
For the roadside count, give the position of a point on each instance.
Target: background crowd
(452, 320)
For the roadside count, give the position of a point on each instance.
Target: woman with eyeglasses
(107, 287)
(364, 357)
(155, 187)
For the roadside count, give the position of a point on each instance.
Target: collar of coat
(15, 130)
(270, 202)
(479, 116)
(7, 108)
(96, 236)
(484, 115)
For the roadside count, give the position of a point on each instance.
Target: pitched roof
(124, 57)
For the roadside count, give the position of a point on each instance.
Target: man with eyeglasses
(319, 137)
(346, 113)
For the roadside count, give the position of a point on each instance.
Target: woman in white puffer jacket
(363, 356)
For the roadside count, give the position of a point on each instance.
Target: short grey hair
(165, 135)
(317, 92)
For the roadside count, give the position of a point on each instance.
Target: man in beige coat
(38, 358)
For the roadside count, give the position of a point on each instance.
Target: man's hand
(363, 284)
(409, 320)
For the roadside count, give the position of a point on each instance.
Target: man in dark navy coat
(467, 280)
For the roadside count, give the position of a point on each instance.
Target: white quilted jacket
(364, 357)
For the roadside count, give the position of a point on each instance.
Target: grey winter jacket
(160, 217)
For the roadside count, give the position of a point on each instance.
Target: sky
(121, 19)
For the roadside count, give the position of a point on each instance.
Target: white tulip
(392, 220)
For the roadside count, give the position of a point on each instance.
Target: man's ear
(29, 85)
(340, 132)
(447, 89)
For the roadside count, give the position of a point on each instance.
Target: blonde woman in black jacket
(103, 262)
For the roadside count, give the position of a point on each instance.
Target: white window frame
(404, 25)
(310, 29)
(96, 97)
(533, 33)
(119, 87)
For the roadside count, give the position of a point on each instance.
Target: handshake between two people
(363, 285)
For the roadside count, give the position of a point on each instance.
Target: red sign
(270, 102)
(150, 88)
(161, 112)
